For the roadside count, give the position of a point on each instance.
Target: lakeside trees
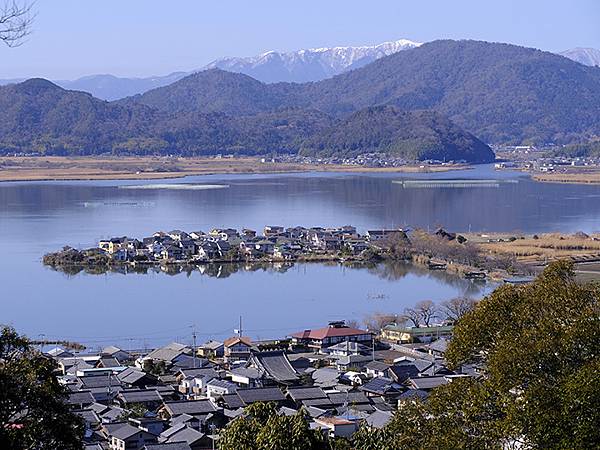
(33, 409)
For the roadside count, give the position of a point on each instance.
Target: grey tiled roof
(233, 401)
(140, 396)
(168, 446)
(89, 415)
(356, 397)
(413, 393)
(186, 434)
(81, 398)
(194, 407)
(125, 431)
(379, 419)
(223, 384)
(426, 383)
(100, 381)
(276, 365)
(306, 393)
(131, 375)
(270, 394)
(381, 386)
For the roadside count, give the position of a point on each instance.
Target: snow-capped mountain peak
(310, 64)
(587, 56)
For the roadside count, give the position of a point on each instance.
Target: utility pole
(194, 341)
(240, 330)
(42, 340)
(373, 342)
(109, 388)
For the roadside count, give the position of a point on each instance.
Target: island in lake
(438, 251)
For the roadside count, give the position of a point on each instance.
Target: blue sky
(153, 37)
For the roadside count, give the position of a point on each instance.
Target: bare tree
(412, 316)
(376, 321)
(352, 323)
(422, 314)
(457, 307)
(16, 19)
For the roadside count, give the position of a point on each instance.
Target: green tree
(262, 428)
(137, 410)
(33, 408)
(539, 346)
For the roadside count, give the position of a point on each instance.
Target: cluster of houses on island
(228, 244)
(179, 397)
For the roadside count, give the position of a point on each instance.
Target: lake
(153, 308)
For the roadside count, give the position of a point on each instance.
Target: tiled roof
(306, 393)
(276, 365)
(194, 407)
(380, 385)
(356, 397)
(323, 333)
(81, 397)
(140, 396)
(235, 340)
(426, 383)
(270, 394)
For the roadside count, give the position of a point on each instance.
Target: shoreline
(59, 168)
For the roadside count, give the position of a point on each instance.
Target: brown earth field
(41, 168)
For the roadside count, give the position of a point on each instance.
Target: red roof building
(335, 333)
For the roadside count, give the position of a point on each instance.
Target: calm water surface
(153, 308)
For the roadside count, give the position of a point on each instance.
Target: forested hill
(501, 93)
(39, 116)
(417, 135)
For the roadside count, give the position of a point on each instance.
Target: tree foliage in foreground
(262, 428)
(33, 409)
(540, 346)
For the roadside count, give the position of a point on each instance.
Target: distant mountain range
(271, 67)
(309, 65)
(424, 102)
(499, 92)
(587, 56)
(299, 66)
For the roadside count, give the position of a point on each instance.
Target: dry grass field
(575, 175)
(545, 247)
(154, 167)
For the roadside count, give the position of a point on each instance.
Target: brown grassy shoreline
(153, 168)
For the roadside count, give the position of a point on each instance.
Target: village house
(211, 349)
(237, 348)
(123, 436)
(379, 235)
(336, 426)
(217, 388)
(335, 333)
(272, 230)
(403, 334)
